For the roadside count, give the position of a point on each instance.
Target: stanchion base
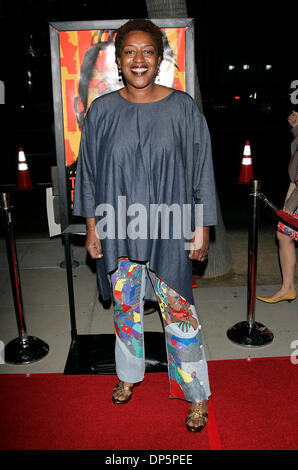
(257, 335)
(25, 351)
(95, 354)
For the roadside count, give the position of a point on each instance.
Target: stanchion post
(24, 349)
(13, 265)
(252, 252)
(249, 332)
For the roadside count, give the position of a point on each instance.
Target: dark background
(255, 33)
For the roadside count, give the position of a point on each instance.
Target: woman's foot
(122, 393)
(197, 416)
(282, 292)
(280, 295)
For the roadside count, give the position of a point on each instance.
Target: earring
(119, 75)
(157, 75)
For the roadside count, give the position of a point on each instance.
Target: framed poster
(83, 68)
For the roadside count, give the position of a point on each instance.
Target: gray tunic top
(146, 154)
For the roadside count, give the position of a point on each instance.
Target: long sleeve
(203, 185)
(84, 194)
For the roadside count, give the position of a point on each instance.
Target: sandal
(124, 391)
(196, 415)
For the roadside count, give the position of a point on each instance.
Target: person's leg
(287, 257)
(187, 366)
(128, 292)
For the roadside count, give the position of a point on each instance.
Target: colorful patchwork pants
(187, 366)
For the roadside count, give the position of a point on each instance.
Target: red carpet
(253, 406)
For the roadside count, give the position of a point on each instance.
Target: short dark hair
(139, 25)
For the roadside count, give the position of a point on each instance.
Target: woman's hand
(200, 244)
(293, 119)
(287, 211)
(93, 244)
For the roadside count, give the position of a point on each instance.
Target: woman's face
(139, 61)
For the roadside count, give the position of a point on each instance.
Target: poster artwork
(88, 70)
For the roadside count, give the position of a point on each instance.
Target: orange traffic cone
(246, 171)
(194, 283)
(24, 179)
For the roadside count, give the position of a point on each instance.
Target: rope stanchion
(24, 349)
(250, 333)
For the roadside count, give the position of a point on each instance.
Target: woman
(287, 236)
(147, 146)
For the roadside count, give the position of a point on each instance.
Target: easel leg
(68, 259)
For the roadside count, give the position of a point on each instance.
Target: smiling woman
(139, 53)
(138, 64)
(149, 145)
